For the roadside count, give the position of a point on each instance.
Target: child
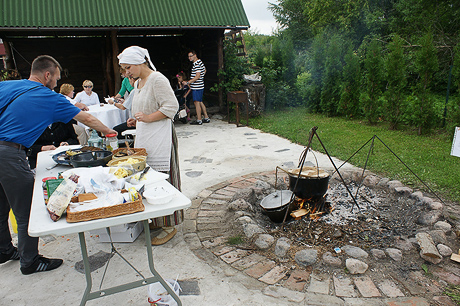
(183, 92)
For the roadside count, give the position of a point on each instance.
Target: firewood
(455, 257)
(299, 213)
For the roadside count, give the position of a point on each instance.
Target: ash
(344, 208)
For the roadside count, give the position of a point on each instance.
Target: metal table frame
(89, 295)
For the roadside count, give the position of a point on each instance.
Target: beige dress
(159, 138)
(155, 137)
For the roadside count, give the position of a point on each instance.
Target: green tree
(426, 64)
(330, 91)
(349, 92)
(395, 68)
(315, 68)
(234, 68)
(371, 95)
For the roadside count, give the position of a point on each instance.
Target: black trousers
(121, 128)
(16, 188)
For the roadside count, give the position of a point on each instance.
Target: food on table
(90, 148)
(86, 197)
(61, 197)
(129, 161)
(121, 173)
(72, 153)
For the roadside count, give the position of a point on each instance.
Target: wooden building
(86, 36)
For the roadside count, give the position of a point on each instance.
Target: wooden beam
(9, 62)
(115, 52)
(108, 67)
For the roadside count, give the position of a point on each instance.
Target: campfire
(306, 197)
(313, 208)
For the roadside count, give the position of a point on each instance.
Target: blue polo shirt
(25, 119)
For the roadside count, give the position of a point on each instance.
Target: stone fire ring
(206, 231)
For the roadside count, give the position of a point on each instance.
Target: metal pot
(275, 205)
(312, 183)
(310, 187)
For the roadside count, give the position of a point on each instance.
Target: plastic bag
(61, 197)
(159, 296)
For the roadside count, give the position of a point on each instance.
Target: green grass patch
(428, 156)
(235, 240)
(453, 292)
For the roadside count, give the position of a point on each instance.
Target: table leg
(89, 282)
(148, 244)
(88, 295)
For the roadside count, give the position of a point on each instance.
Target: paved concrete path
(211, 154)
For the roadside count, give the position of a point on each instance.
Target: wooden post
(220, 66)
(108, 67)
(9, 56)
(116, 67)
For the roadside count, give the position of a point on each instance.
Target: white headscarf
(135, 55)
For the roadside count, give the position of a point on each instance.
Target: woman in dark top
(56, 135)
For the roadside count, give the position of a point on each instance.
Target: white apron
(156, 138)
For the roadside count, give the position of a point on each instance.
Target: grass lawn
(428, 156)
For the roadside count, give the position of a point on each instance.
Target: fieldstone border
(206, 229)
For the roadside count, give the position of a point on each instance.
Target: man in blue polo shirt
(27, 107)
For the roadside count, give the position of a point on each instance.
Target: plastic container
(111, 142)
(158, 195)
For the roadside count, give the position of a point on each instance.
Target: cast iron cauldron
(312, 183)
(275, 205)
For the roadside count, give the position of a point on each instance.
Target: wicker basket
(105, 212)
(139, 166)
(137, 152)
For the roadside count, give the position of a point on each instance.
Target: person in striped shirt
(196, 83)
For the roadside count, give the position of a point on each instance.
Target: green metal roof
(121, 13)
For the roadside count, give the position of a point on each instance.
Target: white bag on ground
(159, 295)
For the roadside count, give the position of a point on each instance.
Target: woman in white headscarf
(154, 106)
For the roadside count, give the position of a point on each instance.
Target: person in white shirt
(67, 90)
(87, 96)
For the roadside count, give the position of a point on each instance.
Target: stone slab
(222, 250)
(189, 287)
(344, 287)
(319, 284)
(366, 287)
(274, 275)
(247, 261)
(408, 284)
(214, 242)
(389, 288)
(260, 269)
(297, 280)
(234, 255)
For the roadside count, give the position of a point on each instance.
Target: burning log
(299, 213)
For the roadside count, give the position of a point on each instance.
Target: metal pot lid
(276, 199)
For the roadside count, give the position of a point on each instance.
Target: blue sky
(260, 18)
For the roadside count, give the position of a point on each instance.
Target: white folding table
(40, 224)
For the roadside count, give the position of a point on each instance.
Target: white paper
(456, 143)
